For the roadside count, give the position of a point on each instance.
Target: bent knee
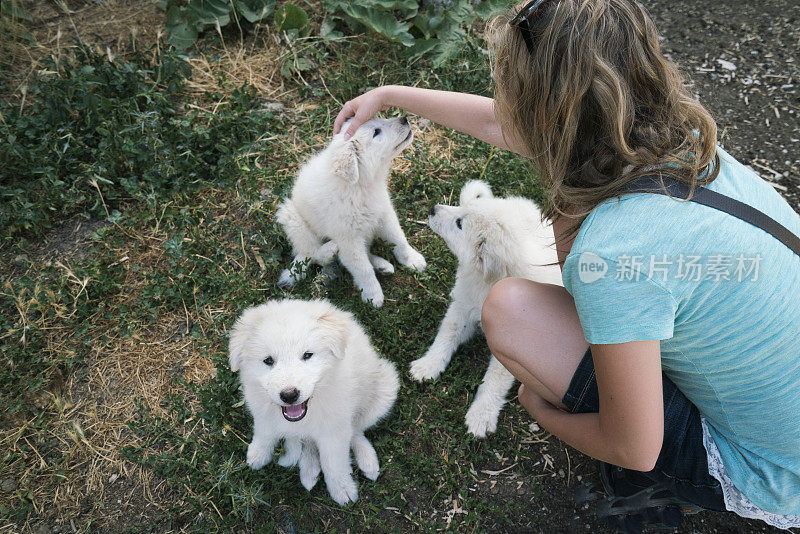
(509, 300)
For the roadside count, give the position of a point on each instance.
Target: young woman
(673, 352)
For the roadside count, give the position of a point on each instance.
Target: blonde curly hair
(596, 104)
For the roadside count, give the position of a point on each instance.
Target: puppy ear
(474, 189)
(240, 334)
(345, 162)
(489, 261)
(334, 324)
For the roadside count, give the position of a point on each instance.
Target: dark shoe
(634, 501)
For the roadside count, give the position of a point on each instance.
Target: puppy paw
(308, 479)
(326, 252)
(287, 461)
(343, 489)
(375, 296)
(381, 265)
(258, 455)
(482, 418)
(366, 458)
(371, 471)
(309, 473)
(427, 368)
(412, 259)
(286, 279)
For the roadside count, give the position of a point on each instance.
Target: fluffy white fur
(493, 238)
(340, 203)
(344, 386)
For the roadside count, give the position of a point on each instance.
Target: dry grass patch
(112, 25)
(89, 412)
(254, 62)
(116, 27)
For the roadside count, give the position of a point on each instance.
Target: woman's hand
(361, 109)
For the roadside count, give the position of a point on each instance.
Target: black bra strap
(702, 195)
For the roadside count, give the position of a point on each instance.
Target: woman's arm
(467, 113)
(629, 430)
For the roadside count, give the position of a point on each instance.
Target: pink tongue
(295, 410)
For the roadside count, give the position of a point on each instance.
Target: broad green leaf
(254, 10)
(286, 71)
(174, 16)
(427, 22)
(387, 4)
(290, 17)
(381, 22)
(408, 7)
(211, 12)
(182, 35)
(422, 46)
(215, 7)
(353, 25)
(327, 29)
(304, 64)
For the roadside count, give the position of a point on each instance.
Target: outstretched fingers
(347, 112)
(361, 109)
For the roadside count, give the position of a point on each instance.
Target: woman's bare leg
(534, 331)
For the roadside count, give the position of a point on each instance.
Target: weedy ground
(119, 410)
(137, 230)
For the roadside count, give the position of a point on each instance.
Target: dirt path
(744, 58)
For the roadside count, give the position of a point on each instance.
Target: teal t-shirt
(723, 297)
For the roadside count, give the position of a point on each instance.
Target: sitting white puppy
(493, 238)
(311, 377)
(340, 203)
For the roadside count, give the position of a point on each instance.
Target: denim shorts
(683, 463)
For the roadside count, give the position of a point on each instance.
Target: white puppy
(340, 203)
(311, 377)
(493, 238)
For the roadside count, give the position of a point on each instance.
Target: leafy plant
(99, 132)
(435, 27)
(291, 18)
(187, 19)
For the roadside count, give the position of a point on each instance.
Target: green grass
(222, 249)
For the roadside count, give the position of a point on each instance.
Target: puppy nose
(433, 210)
(289, 395)
(403, 120)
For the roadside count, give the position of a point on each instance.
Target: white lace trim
(735, 500)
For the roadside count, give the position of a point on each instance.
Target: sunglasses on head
(522, 21)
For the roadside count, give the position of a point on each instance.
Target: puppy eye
(307, 355)
(269, 360)
(458, 223)
(377, 132)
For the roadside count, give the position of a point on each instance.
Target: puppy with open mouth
(311, 377)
